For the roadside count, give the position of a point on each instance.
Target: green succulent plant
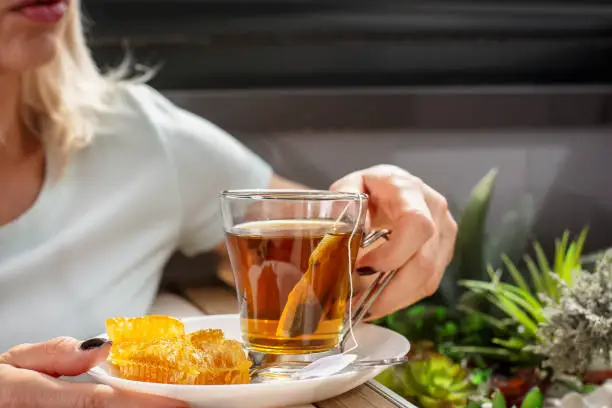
(433, 382)
(520, 303)
(533, 399)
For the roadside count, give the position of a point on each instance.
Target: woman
(101, 180)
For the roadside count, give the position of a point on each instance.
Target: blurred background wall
(445, 89)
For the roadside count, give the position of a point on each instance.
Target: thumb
(63, 356)
(28, 389)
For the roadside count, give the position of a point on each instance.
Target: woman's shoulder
(138, 110)
(139, 106)
(140, 120)
(136, 116)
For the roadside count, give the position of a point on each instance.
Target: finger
(446, 226)
(353, 183)
(404, 205)
(28, 389)
(63, 356)
(392, 299)
(448, 239)
(418, 279)
(436, 202)
(421, 276)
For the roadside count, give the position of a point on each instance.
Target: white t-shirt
(95, 242)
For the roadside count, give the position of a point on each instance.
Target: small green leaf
(551, 287)
(516, 275)
(441, 313)
(580, 245)
(449, 329)
(535, 312)
(560, 251)
(416, 311)
(567, 267)
(488, 351)
(533, 399)
(525, 295)
(498, 400)
(496, 323)
(536, 275)
(512, 310)
(479, 376)
(511, 343)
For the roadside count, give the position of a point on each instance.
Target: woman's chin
(36, 54)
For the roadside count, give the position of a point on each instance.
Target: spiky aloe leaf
(512, 236)
(468, 260)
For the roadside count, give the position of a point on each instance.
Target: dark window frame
(224, 44)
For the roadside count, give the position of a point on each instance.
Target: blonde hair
(61, 100)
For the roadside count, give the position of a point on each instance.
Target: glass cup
(291, 253)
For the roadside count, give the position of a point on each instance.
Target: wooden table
(222, 300)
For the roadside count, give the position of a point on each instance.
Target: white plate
(374, 343)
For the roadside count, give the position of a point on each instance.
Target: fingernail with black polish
(92, 344)
(366, 270)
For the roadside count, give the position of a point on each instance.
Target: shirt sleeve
(206, 160)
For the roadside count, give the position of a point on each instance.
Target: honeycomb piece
(168, 361)
(225, 363)
(155, 374)
(156, 349)
(136, 329)
(224, 376)
(123, 351)
(206, 338)
(229, 354)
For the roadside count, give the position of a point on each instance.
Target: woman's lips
(43, 12)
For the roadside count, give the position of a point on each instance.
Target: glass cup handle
(367, 298)
(374, 236)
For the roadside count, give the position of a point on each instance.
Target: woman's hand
(423, 234)
(28, 378)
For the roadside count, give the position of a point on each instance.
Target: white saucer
(374, 343)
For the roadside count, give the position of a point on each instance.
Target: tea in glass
(292, 282)
(292, 275)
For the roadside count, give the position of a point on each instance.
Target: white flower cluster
(578, 328)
